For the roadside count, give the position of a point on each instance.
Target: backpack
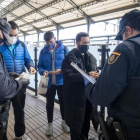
(22, 44)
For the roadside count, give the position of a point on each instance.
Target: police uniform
(8, 87)
(118, 86)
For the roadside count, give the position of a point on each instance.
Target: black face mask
(83, 48)
(1, 41)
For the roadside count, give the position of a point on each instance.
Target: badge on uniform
(113, 58)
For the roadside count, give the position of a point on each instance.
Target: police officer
(8, 87)
(118, 86)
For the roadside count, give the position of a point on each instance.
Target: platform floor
(36, 120)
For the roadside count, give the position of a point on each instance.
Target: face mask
(83, 48)
(12, 40)
(51, 46)
(1, 41)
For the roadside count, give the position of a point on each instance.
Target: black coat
(74, 99)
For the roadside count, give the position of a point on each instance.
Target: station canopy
(46, 15)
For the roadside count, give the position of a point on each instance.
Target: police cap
(125, 19)
(5, 27)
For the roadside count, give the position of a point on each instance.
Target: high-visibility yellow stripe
(116, 53)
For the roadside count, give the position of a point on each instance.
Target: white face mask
(12, 40)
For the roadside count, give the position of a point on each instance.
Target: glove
(86, 81)
(14, 75)
(24, 82)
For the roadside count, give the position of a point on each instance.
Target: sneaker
(65, 127)
(24, 137)
(49, 131)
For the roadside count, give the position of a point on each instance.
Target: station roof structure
(45, 15)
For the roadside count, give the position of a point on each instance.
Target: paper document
(25, 75)
(83, 73)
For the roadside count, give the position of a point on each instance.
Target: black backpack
(22, 44)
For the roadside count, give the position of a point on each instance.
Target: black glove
(14, 75)
(24, 82)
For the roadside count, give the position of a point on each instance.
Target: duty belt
(133, 77)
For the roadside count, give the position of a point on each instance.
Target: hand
(14, 75)
(24, 82)
(58, 71)
(32, 70)
(87, 81)
(94, 74)
(46, 73)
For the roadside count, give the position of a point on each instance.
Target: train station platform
(36, 120)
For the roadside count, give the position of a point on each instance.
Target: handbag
(43, 85)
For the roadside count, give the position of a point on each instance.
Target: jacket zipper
(12, 58)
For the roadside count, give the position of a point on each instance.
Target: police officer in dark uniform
(8, 87)
(118, 86)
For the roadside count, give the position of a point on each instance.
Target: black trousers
(50, 96)
(18, 103)
(4, 114)
(86, 125)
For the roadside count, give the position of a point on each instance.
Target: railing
(94, 41)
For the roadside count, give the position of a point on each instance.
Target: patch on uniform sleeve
(113, 58)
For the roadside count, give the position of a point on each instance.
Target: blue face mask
(51, 46)
(1, 41)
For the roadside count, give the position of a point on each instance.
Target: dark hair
(81, 34)
(48, 35)
(13, 25)
(134, 23)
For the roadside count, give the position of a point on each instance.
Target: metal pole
(57, 33)
(74, 42)
(103, 60)
(36, 61)
(108, 42)
(118, 21)
(24, 37)
(35, 50)
(88, 26)
(103, 56)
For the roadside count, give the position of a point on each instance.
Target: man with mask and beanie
(77, 107)
(8, 87)
(118, 86)
(49, 65)
(16, 58)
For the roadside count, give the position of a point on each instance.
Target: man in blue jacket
(16, 56)
(50, 60)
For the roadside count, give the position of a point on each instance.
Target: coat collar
(77, 53)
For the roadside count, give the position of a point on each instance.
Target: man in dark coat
(77, 107)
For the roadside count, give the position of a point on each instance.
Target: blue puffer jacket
(20, 59)
(45, 62)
